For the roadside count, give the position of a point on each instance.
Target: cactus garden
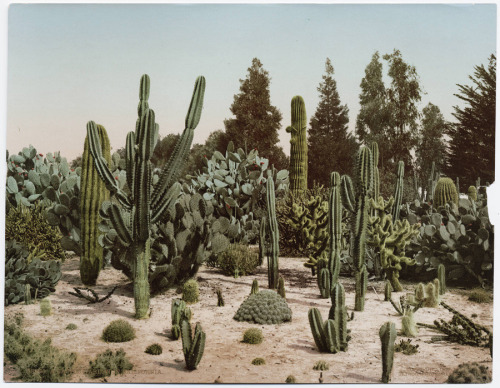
(354, 254)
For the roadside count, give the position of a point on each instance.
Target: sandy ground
(287, 348)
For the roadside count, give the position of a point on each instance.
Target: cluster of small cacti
(109, 362)
(428, 295)
(264, 307)
(406, 347)
(470, 373)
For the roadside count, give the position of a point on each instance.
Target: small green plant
(255, 287)
(190, 291)
(321, 365)
(71, 326)
(154, 349)
(387, 291)
(479, 295)
(45, 308)
(470, 373)
(253, 336)
(405, 347)
(220, 298)
(290, 379)
(281, 287)
(118, 331)
(107, 362)
(258, 361)
(238, 260)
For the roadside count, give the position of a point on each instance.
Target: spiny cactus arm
(167, 202)
(129, 160)
(387, 335)
(332, 336)
(335, 226)
(187, 336)
(197, 347)
(174, 165)
(364, 172)
(101, 165)
(316, 323)
(116, 218)
(347, 193)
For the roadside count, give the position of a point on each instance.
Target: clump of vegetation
(470, 373)
(154, 349)
(321, 365)
(107, 362)
(37, 361)
(45, 308)
(258, 361)
(71, 326)
(190, 291)
(290, 379)
(238, 260)
(253, 336)
(479, 295)
(264, 307)
(118, 331)
(405, 347)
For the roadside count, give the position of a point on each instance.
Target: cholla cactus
(144, 205)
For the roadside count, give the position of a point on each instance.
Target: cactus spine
(192, 347)
(93, 194)
(273, 251)
(356, 201)
(398, 193)
(387, 336)
(444, 192)
(441, 272)
(143, 207)
(298, 146)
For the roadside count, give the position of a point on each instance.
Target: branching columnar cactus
(144, 206)
(274, 248)
(444, 192)
(387, 336)
(355, 199)
(329, 275)
(298, 148)
(192, 347)
(92, 194)
(398, 193)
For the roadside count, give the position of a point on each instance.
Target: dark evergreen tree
(256, 122)
(471, 149)
(331, 146)
(164, 149)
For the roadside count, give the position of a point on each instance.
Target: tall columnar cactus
(298, 149)
(444, 192)
(398, 193)
(441, 272)
(387, 335)
(355, 200)
(93, 193)
(192, 347)
(143, 207)
(262, 240)
(376, 173)
(338, 313)
(431, 183)
(274, 248)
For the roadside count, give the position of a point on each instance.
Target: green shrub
(253, 336)
(290, 379)
(321, 365)
(154, 349)
(238, 260)
(71, 326)
(470, 373)
(479, 295)
(258, 361)
(264, 307)
(107, 362)
(28, 225)
(118, 331)
(190, 291)
(45, 308)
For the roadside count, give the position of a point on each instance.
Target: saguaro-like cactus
(376, 173)
(387, 335)
(398, 193)
(298, 149)
(444, 192)
(93, 193)
(355, 199)
(143, 207)
(192, 347)
(274, 248)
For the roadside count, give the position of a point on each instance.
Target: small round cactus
(470, 373)
(118, 331)
(154, 349)
(71, 326)
(258, 361)
(253, 336)
(290, 379)
(190, 291)
(264, 307)
(321, 365)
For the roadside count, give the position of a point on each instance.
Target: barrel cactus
(445, 192)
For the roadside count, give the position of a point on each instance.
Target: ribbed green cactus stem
(298, 148)
(387, 291)
(441, 273)
(445, 192)
(430, 188)
(376, 173)
(281, 287)
(93, 193)
(335, 229)
(338, 313)
(192, 347)
(387, 336)
(324, 282)
(408, 324)
(262, 240)
(398, 192)
(316, 324)
(273, 251)
(255, 287)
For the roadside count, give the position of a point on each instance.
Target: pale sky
(68, 64)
